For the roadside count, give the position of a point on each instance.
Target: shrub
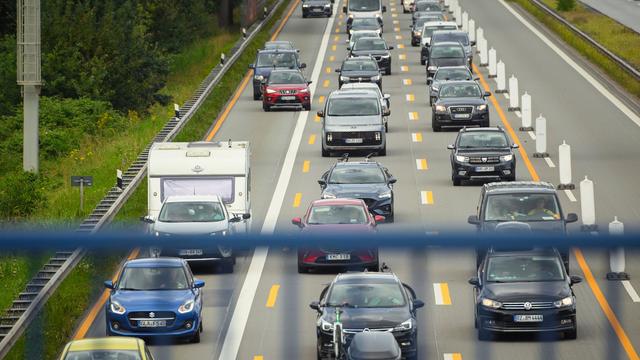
(21, 193)
(565, 5)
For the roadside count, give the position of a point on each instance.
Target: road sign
(81, 181)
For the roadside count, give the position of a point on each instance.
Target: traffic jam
(366, 311)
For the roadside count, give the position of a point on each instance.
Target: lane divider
(327, 70)
(333, 47)
(549, 162)
(398, 37)
(402, 56)
(258, 357)
(332, 58)
(273, 296)
(326, 83)
(305, 166)
(426, 197)
(400, 46)
(411, 97)
(421, 164)
(416, 137)
(569, 194)
(312, 139)
(414, 116)
(396, 22)
(631, 291)
(405, 68)
(297, 199)
(532, 135)
(321, 99)
(317, 118)
(336, 38)
(453, 356)
(396, 29)
(407, 81)
(441, 293)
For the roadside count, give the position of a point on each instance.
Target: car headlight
(407, 325)
(325, 325)
(116, 308)
(417, 33)
(187, 307)
(327, 5)
(461, 158)
(258, 77)
(328, 195)
(305, 5)
(303, 91)
(385, 56)
(385, 195)
(344, 78)
(491, 303)
(375, 78)
(220, 233)
(271, 91)
(482, 107)
(435, 88)
(432, 68)
(568, 301)
(506, 157)
(441, 108)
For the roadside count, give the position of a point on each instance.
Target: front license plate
(288, 98)
(353, 141)
(190, 252)
(152, 323)
(527, 318)
(339, 257)
(484, 168)
(461, 116)
(317, 10)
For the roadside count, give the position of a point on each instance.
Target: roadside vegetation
(619, 39)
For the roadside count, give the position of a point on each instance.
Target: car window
(425, 19)
(524, 268)
(455, 37)
(286, 77)
(428, 7)
(364, 5)
(367, 295)
(353, 107)
(103, 355)
(359, 65)
(439, 52)
(428, 30)
(356, 36)
(482, 139)
(357, 175)
(191, 212)
(153, 278)
(521, 207)
(274, 59)
(365, 22)
(460, 90)
(337, 214)
(453, 74)
(278, 45)
(370, 44)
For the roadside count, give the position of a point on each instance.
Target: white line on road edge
(238, 323)
(569, 194)
(630, 290)
(596, 84)
(532, 135)
(550, 162)
(518, 114)
(506, 96)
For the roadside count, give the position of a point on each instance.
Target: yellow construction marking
(305, 166)
(258, 357)
(273, 296)
(453, 356)
(337, 30)
(407, 81)
(333, 47)
(411, 97)
(441, 292)
(326, 83)
(336, 38)
(400, 46)
(426, 198)
(398, 37)
(402, 56)
(393, 9)
(416, 137)
(396, 22)
(396, 29)
(414, 116)
(312, 139)
(339, 23)
(297, 199)
(405, 68)
(317, 118)
(327, 70)
(321, 99)
(332, 58)
(394, 15)
(421, 164)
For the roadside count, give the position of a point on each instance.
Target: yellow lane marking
(327, 70)
(317, 118)
(393, 9)
(396, 29)
(321, 99)
(402, 56)
(273, 296)
(297, 199)
(258, 357)
(312, 139)
(305, 166)
(421, 164)
(332, 58)
(336, 38)
(400, 46)
(333, 47)
(339, 23)
(411, 97)
(407, 81)
(441, 292)
(405, 68)
(340, 16)
(396, 22)
(416, 137)
(453, 356)
(426, 197)
(398, 37)
(414, 116)
(394, 15)
(337, 30)
(326, 83)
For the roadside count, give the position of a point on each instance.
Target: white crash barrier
(514, 96)
(541, 138)
(502, 86)
(617, 261)
(526, 113)
(564, 166)
(484, 54)
(472, 30)
(588, 206)
(493, 63)
(465, 21)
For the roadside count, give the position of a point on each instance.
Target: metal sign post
(81, 181)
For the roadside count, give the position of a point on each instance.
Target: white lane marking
(595, 83)
(506, 96)
(238, 323)
(453, 356)
(410, 97)
(416, 137)
(413, 115)
(407, 82)
(518, 113)
(532, 135)
(550, 162)
(569, 194)
(630, 290)
(437, 291)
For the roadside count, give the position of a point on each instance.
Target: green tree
(565, 5)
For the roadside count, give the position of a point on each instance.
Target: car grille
(535, 305)
(368, 138)
(288, 92)
(461, 109)
(168, 316)
(484, 160)
(355, 331)
(360, 79)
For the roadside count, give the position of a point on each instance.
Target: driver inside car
(541, 210)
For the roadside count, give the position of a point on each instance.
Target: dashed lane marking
(321, 99)
(570, 195)
(416, 137)
(532, 135)
(411, 97)
(273, 296)
(405, 68)
(394, 15)
(336, 38)
(396, 29)
(400, 46)
(453, 356)
(317, 118)
(421, 164)
(333, 47)
(402, 56)
(414, 116)
(312, 139)
(631, 291)
(305, 166)
(297, 199)
(327, 70)
(518, 113)
(441, 293)
(426, 197)
(407, 81)
(549, 162)
(258, 357)
(398, 37)
(396, 22)
(326, 83)
(332, 58)
(337, 30)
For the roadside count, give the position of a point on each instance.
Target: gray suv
(353, 121)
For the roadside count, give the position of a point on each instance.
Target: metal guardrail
(613, 57)
(28, 304)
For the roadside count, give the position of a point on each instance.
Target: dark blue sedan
(155, 297)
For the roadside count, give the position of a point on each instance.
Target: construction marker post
(465, 21)
(500, 80)
(244, 33)
(564, 167)
(176, 110)
(526, 113)
(493, 63)
(617, 262)
(223, 58)
(479, 35)
(514, 96)
(119, 183)
(588, 206)
(484, 54)
(471, 29)
(541, 138)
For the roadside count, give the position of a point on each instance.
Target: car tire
(435, 125)
(302, 269)
(266, 107)
(388, 71)
(486, 123)
(325, 153)
(304, 16)
(196, 337)
(374, 268)
(456, 181)
(484, 335)
(571, 334)
(226, 265)
(390, 218)
(422, 62)
(307, 107)
(256, 95)
(386, 127)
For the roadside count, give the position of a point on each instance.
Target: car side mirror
(487, 93)
(197, 284)
(571, 218)
(235, 219)
(147, 219)
(417, 304)
(451, 147)
(384, 8)
(315, 305)
(297, 222)
(386, 96)
(303, 66)
(515, 146)
(386, 112)
(393, 180)
(429, 80)
(348, 48)
(344, 9)
(109, 284)
(474, 281)
(473, 43)
(246, 216)
(309, 82)
(391, 47)
(379, 218)
(252, 66)
(575, 279)
(322, 182)
(473, 220)
(320, 113)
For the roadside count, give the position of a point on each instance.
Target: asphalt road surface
(626, 12)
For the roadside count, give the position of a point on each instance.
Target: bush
(21, 194)
(565, 5)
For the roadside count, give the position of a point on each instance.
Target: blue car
(155, 297)
(267, 60)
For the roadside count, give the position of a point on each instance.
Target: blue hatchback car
(155, 297)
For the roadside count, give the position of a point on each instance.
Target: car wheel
(386, 127)
(388, 71)
(486, 123)
(390, 218)
(456, 181)
(325, 153)
(302, 269)
(374, 268)
(304, 15)
(435, 124)
(307, 107)
(256, 95)
(226, 265)
(196, 337)
(571, 334)
(422, 62)
(266, 107)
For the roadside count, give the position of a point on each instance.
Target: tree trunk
(225, 13)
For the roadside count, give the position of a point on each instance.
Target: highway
(626, 12)
(266, 290)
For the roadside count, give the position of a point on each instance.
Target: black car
(460, 103)
(459, 36)
(365, 23)
(316, 8)
(445, 54)
(366, 180)
(482, 154)
(375, 47)
(359, 69)
(373, 345)
(376, 301)
(443, 75)
(524, 291)
(267, 60)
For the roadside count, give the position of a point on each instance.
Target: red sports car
(286, 88)
(337, 216)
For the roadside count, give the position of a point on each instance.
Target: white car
(385, 99)
(407, 5)
(429, 27)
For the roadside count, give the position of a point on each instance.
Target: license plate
(353, 141)
(190, 252)
(287, 98)
(339, 257)
(484, 168)
(152, 323)
(317, 10)
(461, 116)
(527, 318)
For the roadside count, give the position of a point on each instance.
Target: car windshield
(197, 211)
(360, 65)
(452, 74)
(521, 207)
(364, 5)
(482, 139)
(462, 38)
(428, 31)
(354, 107)
(370, 44)
(524, 268)
(460, 90)
(286, 77)
(274, 59)
(425, 19)
(366, 295)
(153, 278)
(426, 6)
(365, 22)
(103, 355)
(337, 214)
(449, 51)
(278, 45)
(363, 34)
(357, 175)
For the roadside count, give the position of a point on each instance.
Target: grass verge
(15, 271)
(612, 35)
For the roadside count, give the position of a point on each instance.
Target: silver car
(385, 99)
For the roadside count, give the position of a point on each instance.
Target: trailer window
(221, 186)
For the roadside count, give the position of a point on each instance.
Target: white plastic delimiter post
(472, 30)
(587, 202)
(514, 96)
(465, 21)
(484, 54)
(526, 112)
(493, 63)
(501, 78)
(564, 163)
(541, 136)
(457, 13)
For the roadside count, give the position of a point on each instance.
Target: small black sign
(84, 180)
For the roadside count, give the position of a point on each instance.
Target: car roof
(519, 186)
(361, 57)
(482, 129)
(286, 70)
(106, 343)
(456, 67)
(362, 31)
(362, 86)
(353, 92)
(345, 201)
(292, 51)
(357, 163)
(447, 43)
(354, 277)
(450, 32)
(155, 262)
(184, 198)
(440, 23)
(460, 82)
(525, 252)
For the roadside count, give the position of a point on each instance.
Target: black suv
(376, 301)
(524, 291)
(445, 54)
(366, 180)
(317, 8)
(443, 75)
(375, 47)
(482, 154)
(359, 69)
(458, 36)
(267, 60)
(460, 103)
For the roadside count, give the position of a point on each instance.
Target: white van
(364, 8)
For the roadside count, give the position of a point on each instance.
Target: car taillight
(311, 256)
(366, 255)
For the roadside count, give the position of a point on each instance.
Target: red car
(337, 216)
(286, 88)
